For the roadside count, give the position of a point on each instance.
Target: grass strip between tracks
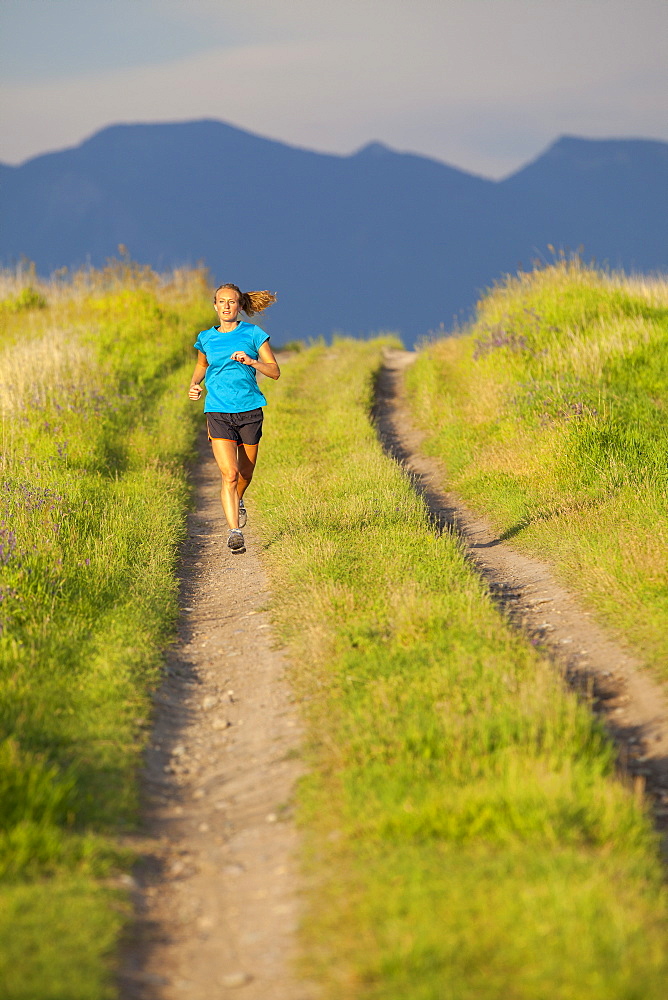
(96, 430)
(551, 416)
(466, 835)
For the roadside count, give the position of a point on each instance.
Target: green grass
(72, 911)
(466, 836)
(96, 431)
(551, 416)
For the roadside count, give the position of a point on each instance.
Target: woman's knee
(230, 477)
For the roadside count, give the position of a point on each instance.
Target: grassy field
(551, 416)
(466, 838)
(96, 429)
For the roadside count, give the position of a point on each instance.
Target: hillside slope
(375, 240)
(550, 417)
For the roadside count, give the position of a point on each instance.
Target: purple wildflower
(7, 544)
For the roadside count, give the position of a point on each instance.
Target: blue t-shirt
(231, 387)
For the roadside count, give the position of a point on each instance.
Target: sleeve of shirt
(198, 343)
(259, 338)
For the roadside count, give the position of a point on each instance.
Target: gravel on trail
(632, 705)
(216, 891)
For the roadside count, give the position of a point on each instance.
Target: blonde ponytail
(257, 302)
(250, 302)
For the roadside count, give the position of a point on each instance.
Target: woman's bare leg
(246, 461)
(225, 454)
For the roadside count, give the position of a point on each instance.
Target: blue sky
(482, 84)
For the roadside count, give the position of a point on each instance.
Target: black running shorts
(244, 428)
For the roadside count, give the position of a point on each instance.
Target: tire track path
(216, 891)
(633, 707)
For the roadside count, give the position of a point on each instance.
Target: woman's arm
(195, 390)
(267, 363)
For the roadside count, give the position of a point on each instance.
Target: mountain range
(378, 240)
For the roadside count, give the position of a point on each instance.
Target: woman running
(229, 355)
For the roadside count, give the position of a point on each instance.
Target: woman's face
(227, 305)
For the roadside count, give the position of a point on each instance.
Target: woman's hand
(242, 357)
(195, 390)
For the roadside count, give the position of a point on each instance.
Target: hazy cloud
(480, 83)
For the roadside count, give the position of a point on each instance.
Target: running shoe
(243, 517)
(235, 541)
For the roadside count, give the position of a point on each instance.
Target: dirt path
(632, 705)
(216, 893)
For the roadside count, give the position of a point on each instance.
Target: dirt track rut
(632, 705)
(216, 892)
